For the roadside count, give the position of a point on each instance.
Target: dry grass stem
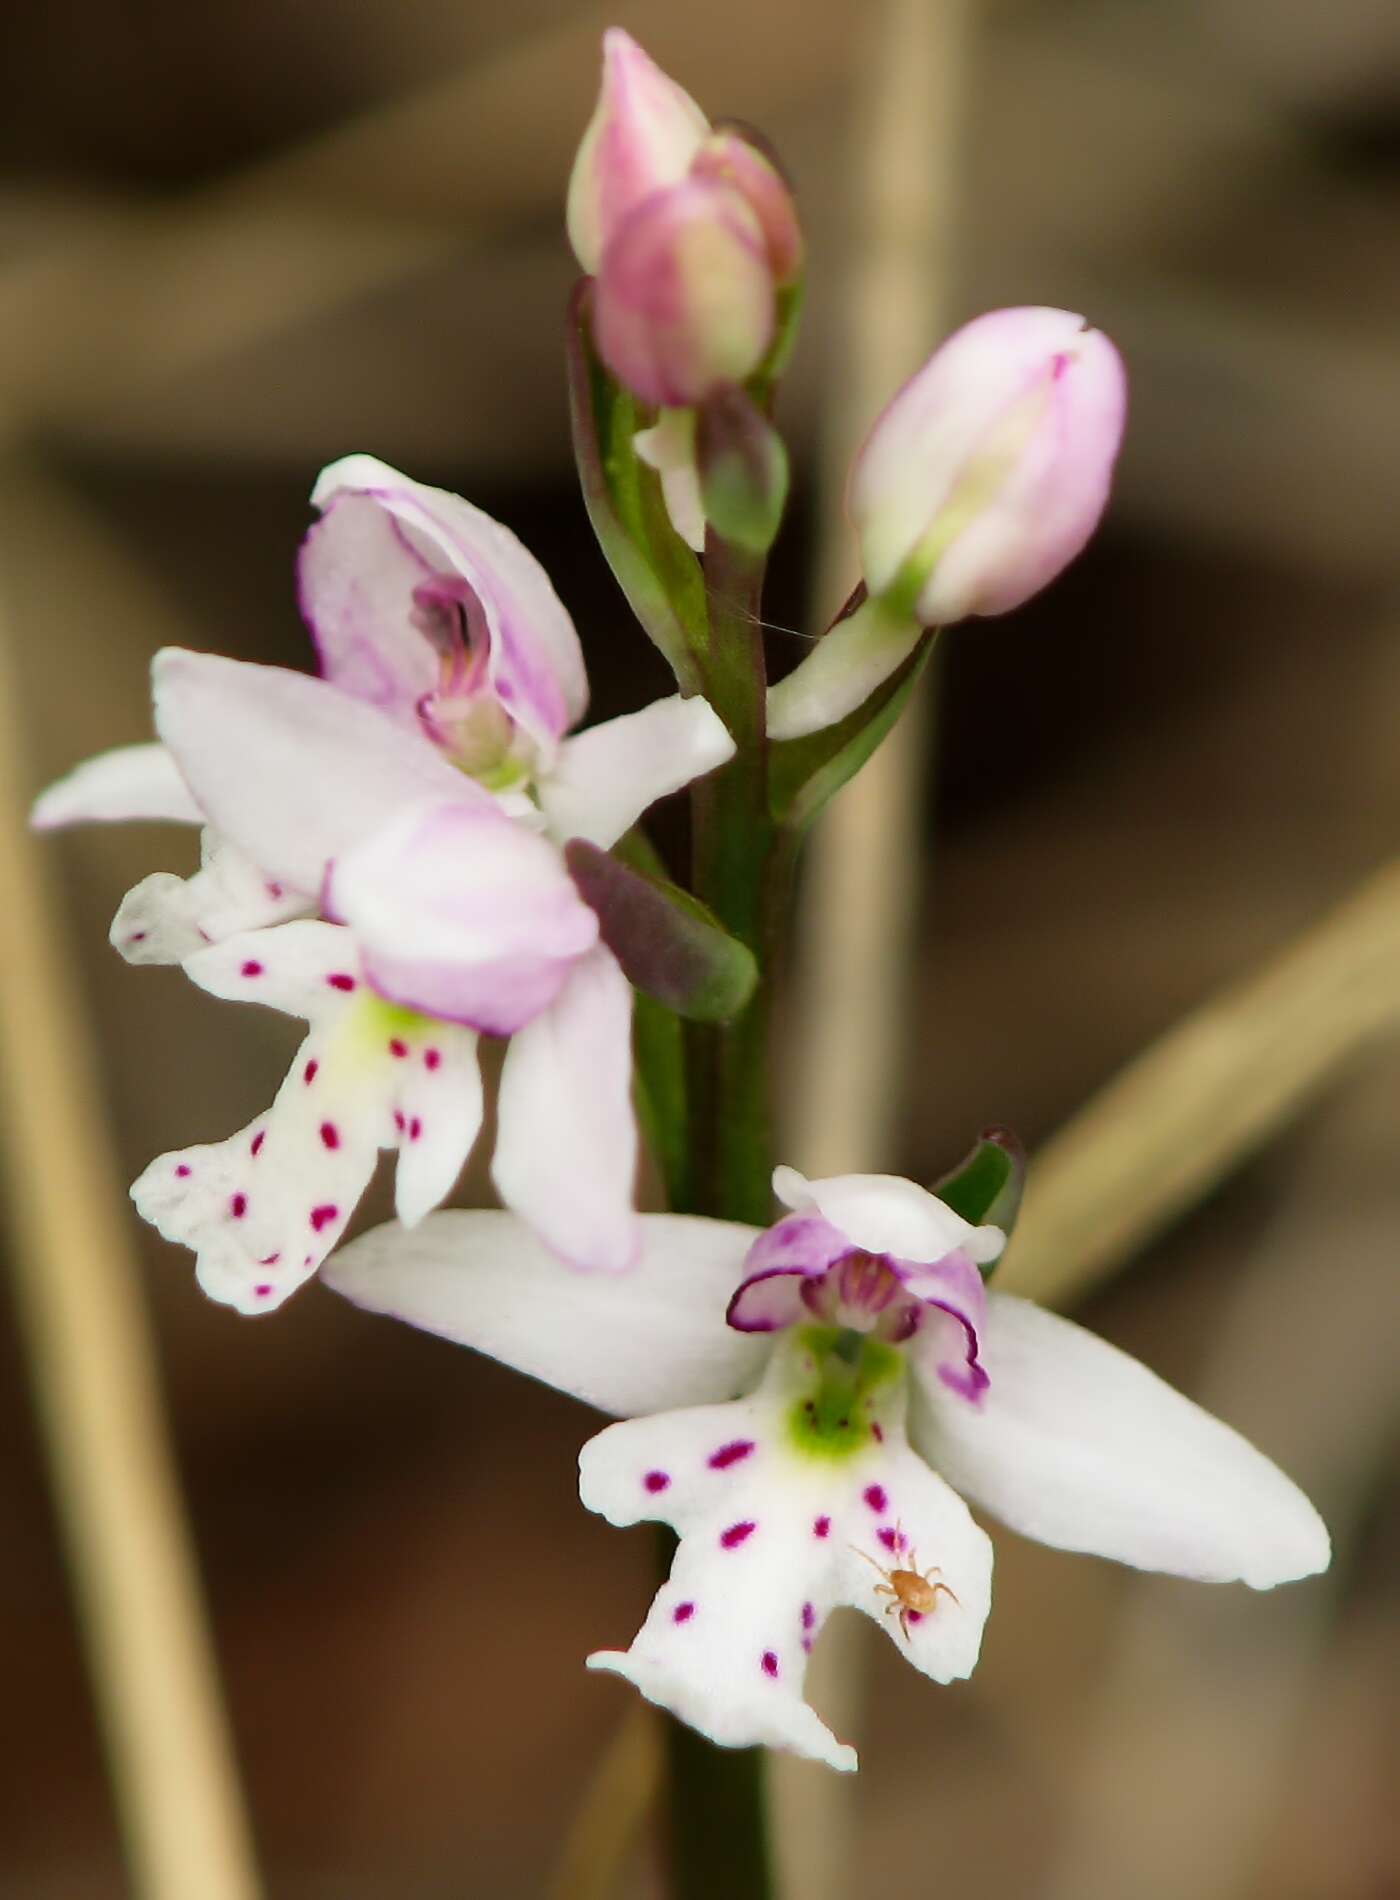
(625, 1785)
(91, 1358)
(1208, 1093)
(1139, 1769)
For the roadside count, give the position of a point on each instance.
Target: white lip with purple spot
(772, 1539)
(827, 1482)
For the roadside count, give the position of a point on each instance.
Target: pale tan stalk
(90, 1356)
(1210, 1091)
(609, 1821)
(1197, 1734)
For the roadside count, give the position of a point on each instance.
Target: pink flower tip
(989, 470)
(643, 135)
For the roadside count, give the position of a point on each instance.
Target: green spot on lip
(848, 1375)
(369, 1025)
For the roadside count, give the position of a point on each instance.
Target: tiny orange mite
(912, 1592)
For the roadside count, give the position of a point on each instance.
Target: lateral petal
(608, 776)
(566, 1143)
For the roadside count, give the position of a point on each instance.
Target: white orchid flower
(809, 1406)
(424, 609)
(414, 797)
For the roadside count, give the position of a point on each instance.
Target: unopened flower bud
(732, 157)
(643, 135)
(684, 304)
(989, 470)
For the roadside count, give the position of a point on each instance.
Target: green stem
(718, 1819)
(718, 1822)
(732, 844)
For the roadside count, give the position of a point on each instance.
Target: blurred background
(239, 241)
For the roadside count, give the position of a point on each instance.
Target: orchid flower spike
(983, 478)
(808, 1407)
(383, 858)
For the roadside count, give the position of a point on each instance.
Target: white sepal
(627, 1343)
(1078, 1445)
(130, 781)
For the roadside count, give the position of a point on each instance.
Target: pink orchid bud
(643, 135)
(684, 303)
(732, 156)
(989, 470)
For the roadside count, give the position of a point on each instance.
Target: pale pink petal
(566, 1148)
(782, 1258)
(356, 573)
(952, 1317)
(683, 305)
(357, 584)
(769, 1300)
(464, 914)
(644, 133)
